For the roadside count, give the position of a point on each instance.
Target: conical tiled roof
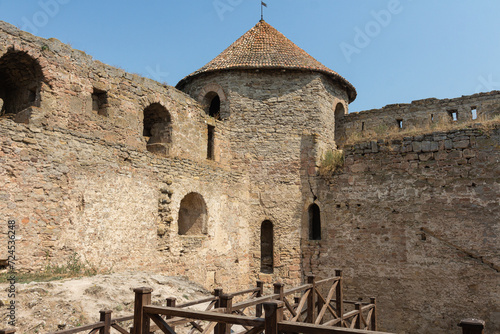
(264, 47)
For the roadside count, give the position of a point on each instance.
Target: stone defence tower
(277, 109)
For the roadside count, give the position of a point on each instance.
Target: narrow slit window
(432, 117)
(210, 143)
(314, 222)
(362, 126)
(266, 248)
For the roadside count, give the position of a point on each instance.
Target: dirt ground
(45, 307)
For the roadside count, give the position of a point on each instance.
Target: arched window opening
(266, 248)
(157, 128)
(20, 82)
(314, 222)
(212, 105)
(192, 215)
(339, 120)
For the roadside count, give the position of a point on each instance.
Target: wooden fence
(317, 307)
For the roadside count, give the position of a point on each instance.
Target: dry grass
(331, 162)
(74, 267)
(385, 132)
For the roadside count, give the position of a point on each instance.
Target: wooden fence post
(227, 303)
(359, 318)
(311, 300)
(273, 316)
(279, 289)
(218, 329)
(373, 326)
(171, 303)
(260, 293)
(217, 293)
(339, 298)
(106, 317)
(472, 326)
(141, 321)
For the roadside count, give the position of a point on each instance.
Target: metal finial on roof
(262, 5)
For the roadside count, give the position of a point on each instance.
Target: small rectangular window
(473, 111)
(100, 102)
(432, 117)
(400, 123)
(362, 126)
(453, 115)
(210, 142)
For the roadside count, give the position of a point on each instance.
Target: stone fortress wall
(132, 174)
(422, 114)
(81, 179)
(415, 223)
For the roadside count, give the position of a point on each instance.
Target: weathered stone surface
(404, 218)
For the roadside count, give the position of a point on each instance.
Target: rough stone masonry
(217, 179)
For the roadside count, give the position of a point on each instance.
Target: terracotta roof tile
(264, 47)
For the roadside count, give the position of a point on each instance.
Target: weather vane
(262, 5)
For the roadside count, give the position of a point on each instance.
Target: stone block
(417, 146)
(461, 143)
(411, 156)
(441, 155)
(425, 156)
(468, 153)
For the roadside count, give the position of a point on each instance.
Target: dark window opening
(362, 126)
(400, 123)
(473, 111)
(100, 102)
(214, 110)
(432, 117)
(211, 143)
(314, 222)
(212, 105)
(157, 128)
(266, 248)
(20, 82)
(192, 215)
(453, 115)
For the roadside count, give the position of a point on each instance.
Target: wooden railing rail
(254, 302)
(297, 289)
(244, 292)
(204, 315)
(102, 327)
(197, 302)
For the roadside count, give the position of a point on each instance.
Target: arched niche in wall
(192, 215)
(267, 247)
(157, 128)
(21, 79)
(314, 222)
(339, 124)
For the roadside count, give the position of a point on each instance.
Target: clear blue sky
(392, 51)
